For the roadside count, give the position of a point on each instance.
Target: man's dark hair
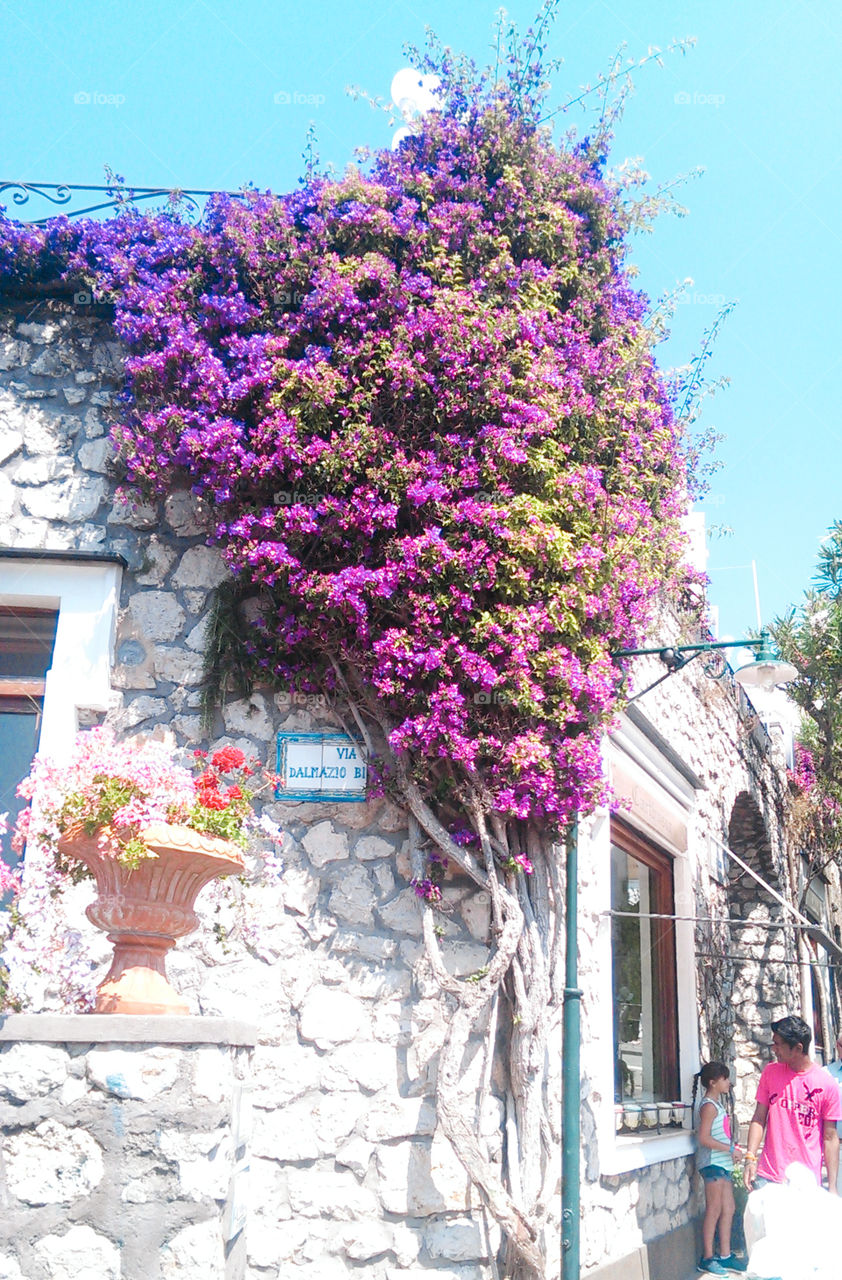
(793, 1031)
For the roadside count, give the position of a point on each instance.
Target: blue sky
(209, 94)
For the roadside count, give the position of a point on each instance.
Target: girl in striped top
(715, 1161)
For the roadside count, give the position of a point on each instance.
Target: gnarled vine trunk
(524, 972)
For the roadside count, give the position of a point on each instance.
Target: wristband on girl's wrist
(749, 1156)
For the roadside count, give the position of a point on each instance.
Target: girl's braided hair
(706, 1075)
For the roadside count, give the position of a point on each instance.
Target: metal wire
(743, 924)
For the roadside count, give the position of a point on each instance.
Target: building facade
(103, 613)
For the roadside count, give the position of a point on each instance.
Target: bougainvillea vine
(422, 408)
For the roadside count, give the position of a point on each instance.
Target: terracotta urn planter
(144, 909)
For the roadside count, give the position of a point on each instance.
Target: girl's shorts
(713, 1171)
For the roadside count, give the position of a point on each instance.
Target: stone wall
(122, 1159)
(625, 1210)
(706, 728)
(348, 1172)
(747, 972)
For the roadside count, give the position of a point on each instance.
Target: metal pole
(570, 1082)
(756, 594)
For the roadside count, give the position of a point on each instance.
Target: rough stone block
(195, 1251)
(249, 716)
(329, 1017)
(8, 495)
(74, 499)
(136, 515)
(156, 615)
(96, 455)
(354, 1155)
(212, 1074)
(175, 665)
(204, 1161)
(316, 1192)
(13, 353)
(369, 946)
(398, 1118)
(156, 562)
(364, 1240)
(10, 443)
(420, 1180)
(185, 514)
(475, 910)
(456, 1239)
(38, 333)
(140, 1073)
(369, 1065)
(323, 844)
(52, 1164)
(402, 914)
(308, 1129)
(198, 637)
(31, 1071)
(200, 567)
(188, 727)
(48, 365)
(140, 709)
(370, 847)
(79, 1254)
(353, 898)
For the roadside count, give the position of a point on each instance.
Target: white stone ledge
(640, 1153)
(116, 1028)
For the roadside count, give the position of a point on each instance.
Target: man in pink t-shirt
(798, 1104)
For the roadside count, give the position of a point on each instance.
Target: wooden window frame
(12, 687)
(665, 1009)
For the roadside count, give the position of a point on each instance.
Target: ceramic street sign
(320, 766)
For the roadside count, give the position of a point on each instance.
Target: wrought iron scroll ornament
(188, 202)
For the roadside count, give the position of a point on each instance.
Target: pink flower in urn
(131, 816)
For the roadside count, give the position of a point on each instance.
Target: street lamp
(765, 671)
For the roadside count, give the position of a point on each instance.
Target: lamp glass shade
(765, 673)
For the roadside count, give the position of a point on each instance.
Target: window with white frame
(643, 969)
(27, 638)
(57, 624)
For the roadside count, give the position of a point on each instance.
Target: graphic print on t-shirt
(798, 1104)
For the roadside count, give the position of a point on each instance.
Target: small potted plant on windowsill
(151, 833)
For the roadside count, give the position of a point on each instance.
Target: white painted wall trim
(86, 597)
(639, 1153)
(620, 1154)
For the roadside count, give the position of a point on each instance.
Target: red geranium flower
(212, 800)
(228, 758)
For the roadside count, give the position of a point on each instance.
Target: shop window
(27, 638)
(643, 968)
